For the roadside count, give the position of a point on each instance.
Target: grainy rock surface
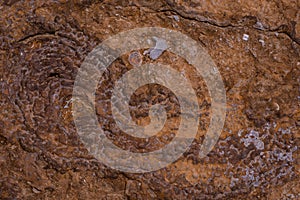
(256, 46)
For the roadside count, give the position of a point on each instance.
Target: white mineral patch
(253, 137)
(262, 42)
(160, 47)
(176, 18)
(245, 37)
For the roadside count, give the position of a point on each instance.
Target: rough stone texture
(256, 46)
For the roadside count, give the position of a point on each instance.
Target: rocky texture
(256, 46)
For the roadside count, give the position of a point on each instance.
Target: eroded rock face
(255, 45)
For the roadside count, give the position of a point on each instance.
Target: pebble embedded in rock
(135, 59)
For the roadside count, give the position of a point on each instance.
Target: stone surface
(256, 46)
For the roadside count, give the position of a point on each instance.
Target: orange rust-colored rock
(256, 47)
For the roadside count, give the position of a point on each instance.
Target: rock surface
(256, 46)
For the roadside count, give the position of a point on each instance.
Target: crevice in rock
(200, 18)
(38, 35)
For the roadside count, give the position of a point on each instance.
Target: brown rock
(256, 47)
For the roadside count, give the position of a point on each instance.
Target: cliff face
(255, 46)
